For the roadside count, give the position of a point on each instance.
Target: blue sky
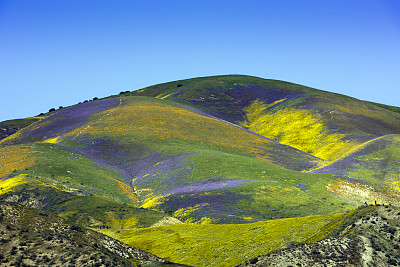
(60, 52)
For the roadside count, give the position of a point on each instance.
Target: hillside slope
(154, 154)
(374, 164)
(10, 127)
(188, 158)
(228, 245)
(324, 124)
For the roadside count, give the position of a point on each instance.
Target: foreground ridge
(370, 238)
(30, 237)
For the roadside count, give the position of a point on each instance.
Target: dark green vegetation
(33, 238)
(215, 150)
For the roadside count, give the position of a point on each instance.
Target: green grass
(273, 189)
(72, 172)
(390, 108)
(224, 81)
(227, 245)
(68, 171)
(269, 193)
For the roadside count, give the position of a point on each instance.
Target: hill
(112, 149)
(324, 124)
(202, 156)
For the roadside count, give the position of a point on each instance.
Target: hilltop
(321, 123)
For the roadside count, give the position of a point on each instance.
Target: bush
(52, 109)
(76, 228)
(24, 229)
(46, 258)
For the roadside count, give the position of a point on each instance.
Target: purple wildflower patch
(178, 94)
(221, 205)
(228, 103)
(245, 94)
(209, 184)
(65, 120)
(139, 166)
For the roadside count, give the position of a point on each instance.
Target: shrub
(76, 228)
(52, 109)
(24, 229)
(46, 258)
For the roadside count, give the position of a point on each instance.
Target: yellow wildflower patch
(7, 185)
(127, 190)
(255, 109)
(52, 140)
(153, 202)
(14, 158)
(164, 97)
(206, 220)
(300, 129)
(184, 212)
